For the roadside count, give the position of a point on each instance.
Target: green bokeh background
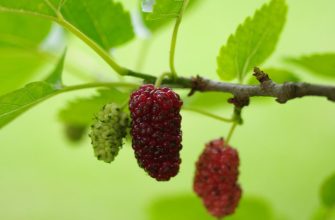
(286, 150)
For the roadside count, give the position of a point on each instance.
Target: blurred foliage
(319, 64)
(74, 133)
(328, 192)
(253, 208)
(324, 214)
(20, 58)
(178, 207)
(163, 9)
(161, 17)
(188, 206)
(12, 75)
(12, 36)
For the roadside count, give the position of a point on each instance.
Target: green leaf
(164, 12)
(188, 206)
(320, 64)
(253, 208)
(253, 42)
(277, 75)
(163, 9)
(20, 31)
(33, 7)
(15, 103)
(55, 78)
(80, 112)
(20, 58)
(328, 192)
(178, 207)
(324, 214)
(18, 66)
(104, 21)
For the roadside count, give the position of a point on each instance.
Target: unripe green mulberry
(108, 130)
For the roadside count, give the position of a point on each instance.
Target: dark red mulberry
(155, 129)
(216, 178)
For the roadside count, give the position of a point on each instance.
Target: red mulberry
(155, 130)
(216, 178)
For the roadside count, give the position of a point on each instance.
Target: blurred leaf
(324, 214)
(19, 55)
(188, 206)
(178, 207)
(156, 20)
(55, 78)
(166, 9)
(320, 64)
(33, 7)
(253, 208)
(328, 192)
(253, 42)
(277, 75)
(20, 31)
(17, 67)
(80, 112)
(74, 133)
(15, 103)
(104, 21)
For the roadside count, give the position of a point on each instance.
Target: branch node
(260, 75)
(288, 91)
(239, 102)
(197, 84)
(281, 101)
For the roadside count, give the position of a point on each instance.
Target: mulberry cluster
(108, 130)
(216, 178)
(155, 130)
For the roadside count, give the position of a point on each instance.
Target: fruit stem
(174, 39)
(230, 133)
(97, 48)
(237, 120)
(160, 79)
(208, 114)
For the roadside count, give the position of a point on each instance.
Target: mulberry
(155, 130)
(216, 178)
(108, 130)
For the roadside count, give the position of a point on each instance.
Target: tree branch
(267, 88)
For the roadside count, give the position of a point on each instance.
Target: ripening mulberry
(108, 130)
(155, 129)
(216, 178)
